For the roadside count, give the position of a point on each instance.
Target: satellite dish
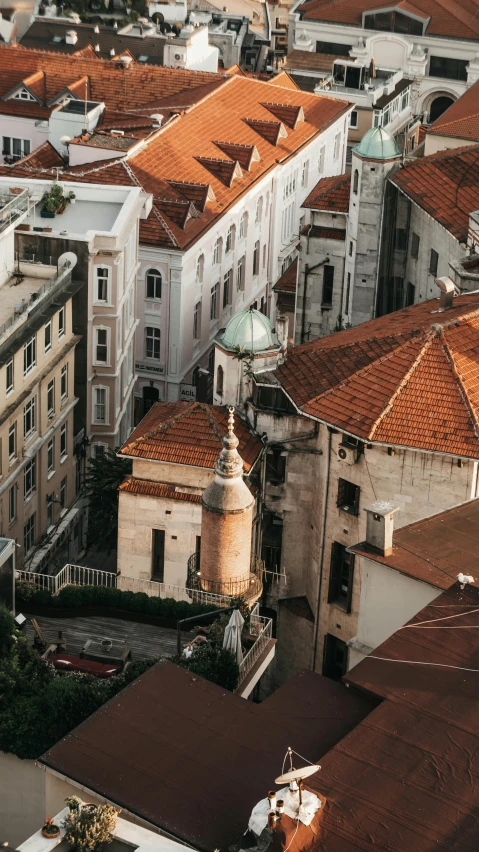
(297, 774)
(67, 259)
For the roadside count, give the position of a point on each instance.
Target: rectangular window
(9, 375)
(433, 261)
(102, 280)
(321, 159)
(197, 321)
(410, 294)
(448, 69)
(256, 258)
(415, 246)
(12, 504)
(264, 257)
(152, 343)
(353, 118)
(61, 322)
(337, 143)
(29, 356)
(29, 534)
(51, 456)
(12, 442)
(328, 281)
(49, 510)
(64, 382)
(243, 226)
(400, 239)
(63, 493)
(350, 248)
(29, 478)
(348, 293)
(48, 337)
(215, 292)
(341, 576)
(333, 48)
(158, 556)
(227, 288)
(29, 418)
(348, 496)
(217, 252)
(240, 276)
(275, 467)
(63, 442)
(230, 239)
(51, 399)
(101, 346)
(305, 174)
(335, 657)
(99, 405)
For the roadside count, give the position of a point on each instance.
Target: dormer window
(393, 21)
(24, 95)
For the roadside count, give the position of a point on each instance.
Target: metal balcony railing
(63, 277)
(263, 628)
(11, 207)
(249, 587)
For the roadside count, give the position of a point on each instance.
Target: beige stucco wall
(435, 143)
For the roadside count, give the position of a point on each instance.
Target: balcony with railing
(23, 291)
(249, 587)
(13, 207)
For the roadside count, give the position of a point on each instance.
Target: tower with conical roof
(226, 526)
(372, 161)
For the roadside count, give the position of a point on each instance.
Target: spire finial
(229, 462)
(231, 421)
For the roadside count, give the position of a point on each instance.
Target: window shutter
(357, 492)
(335, 573)
(350, 582)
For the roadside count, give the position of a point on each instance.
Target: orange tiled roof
(149, 488)
(43, 157)
(188, 433)
(461, 120)
(331, 193)
(289, 279)
(201, 150)
(446, 185)
(450, 18)
(284, 80)
(407, 379)
(305, 60)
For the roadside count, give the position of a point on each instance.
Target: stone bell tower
(226, 527)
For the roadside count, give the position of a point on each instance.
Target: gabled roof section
(272, 131)
(245, 155)
(461, 120)
(224, 170)
(331, 194)
(446, 185)
(86, 52)
(188, 433)
(43, 157)
(449, 18)
(198, 193)
(287, 114)
(33, 85)
(408, 379)
(178, 212)
(288, 281)
(284, 81)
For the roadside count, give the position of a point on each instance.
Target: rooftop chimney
(96, 29)
(447, 288)
(71, 37)
(380, 526)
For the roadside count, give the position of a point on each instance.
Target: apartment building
(434, 46)
(229, 161)
(37, 393)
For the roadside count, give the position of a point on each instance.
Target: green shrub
(71, 596)
(215, 664)
(24, 590)
(43, 597)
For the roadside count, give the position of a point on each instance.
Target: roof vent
(112, 51)
(71, 37)
(157, 118)
(115, 25)
(97, 48)
(126, 60)
(117, 132)
(380, 526)
(447, 288)
(96, 28)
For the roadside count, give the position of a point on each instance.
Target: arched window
(243, 226)
(153, 284)
(230, 238)
(355, 181)
(200, 263)
(259, 210)
(219, 380)
(217, 251)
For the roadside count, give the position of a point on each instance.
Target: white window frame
(30, 345)
(104, 280)
(156, 275)
(200, 268)
(51, 408)
(104, 404)
(106, 329)
(321, 159)
(30, 467)
(48, 345)
(31, 405)
(305, 174)
(12, 429)
(217, 251)
(241, 274)
(230, 239)
(51, 450)
(337, 146)
(259, 211)
(30, 532)
(9, 367)
(61, 322)
(12, 499)
(95, 446)
(243, 228)
(24, 95)
(214, 301)
(64, 378)
(353, 122)
(64, 442)
(197, 321)
(153, 337)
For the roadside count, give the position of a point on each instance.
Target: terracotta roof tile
(304, 60)
(245, 155)
(408, 379)
(331, 193)
(188, 433)
(286, 113)
(289, 279)
(149, 488)
(272, 131)
(283, 80)
(324, 233)
(450, 18)
(461, 120)
(43, 157)
(446, 185)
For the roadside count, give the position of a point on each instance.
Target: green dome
(377, 144)
(250, 331)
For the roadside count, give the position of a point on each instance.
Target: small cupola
(380, 526)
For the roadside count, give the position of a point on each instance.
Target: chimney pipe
(380, 526)
(447, 289)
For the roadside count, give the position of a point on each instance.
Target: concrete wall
(434, 143)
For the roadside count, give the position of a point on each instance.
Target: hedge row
(71, 597)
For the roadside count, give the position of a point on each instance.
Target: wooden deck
(145, 640)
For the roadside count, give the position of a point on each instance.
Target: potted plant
(71, 197)
(52, 201)
(90, 827)
(50, 830)
(74, 803)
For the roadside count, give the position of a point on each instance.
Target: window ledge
(63, 459)
(348, 510)
(50, 474)
(12, 462)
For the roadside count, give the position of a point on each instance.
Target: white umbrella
(232, 637)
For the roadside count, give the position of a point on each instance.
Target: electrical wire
(444, 618)
(294, 835)
(421, 663)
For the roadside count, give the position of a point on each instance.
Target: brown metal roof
(193, 759)
(435, 549)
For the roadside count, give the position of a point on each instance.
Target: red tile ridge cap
(162, 427)
(430, 336)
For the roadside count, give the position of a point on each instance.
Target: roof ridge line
(430, 336)
(163, 427)
(213, 424)
(462, 390)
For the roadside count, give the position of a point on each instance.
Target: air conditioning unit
(348, 454)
